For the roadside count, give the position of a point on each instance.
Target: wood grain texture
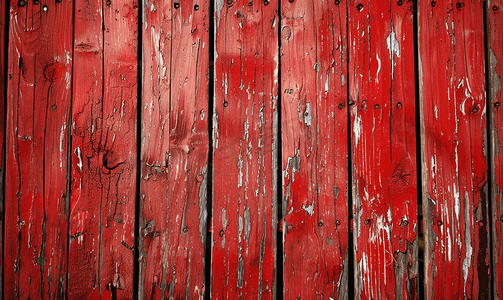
(175, 150)
(3, 103)
(103, 150)
(454, 162)
(314, 149)
(39, 96)
(245, 124)
(495, 52)
(383, 142)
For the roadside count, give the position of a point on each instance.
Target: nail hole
(337, 222)
(196, 7)
(433, 3)
(366, 222)
(481, 223)
(320, 223)
(250, 3)
(54, 107)
(290, 227)
(45, 8)
(221, 233)
(291, 1)
(359, 7)
(475, 110)
(59, 1)
(377, 106)
(400, 2)
(341, 106)
(229, 2)
(36, 2)
(21, 3)
(399, 104)
(351, 102)
(337, 2)
(226, 103)
(109, 2)
(266, 3)
(501, 218)
(439, 223)
(118, 220)
(185, 229)
(405, 222)
(177, 5)
(495, 8)
(496, 104)
(459, 5)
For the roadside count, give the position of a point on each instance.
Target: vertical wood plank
(175, 141)
(39, 95)
(245, 124)
(104, 149)
(495, 53)
(314, 149)
(155, 131)
(453, 128)
(3, 102)
(383, 141)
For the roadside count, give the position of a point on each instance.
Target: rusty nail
(341, 106)
(433, 3)
(118, 220)
(185, 229)
(495, 8)
(475, 110)
(497, 104)
(459, 5)
(266, 2)
(221, 233)
(399, 104)
(400, 2)
(177, 5)
(196, 7)
(21, 3)
(366, 222)
(377, 106)
(439, 223)
(320, 223)
(359, 7)
(290, 227)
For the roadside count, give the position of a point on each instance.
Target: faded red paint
(245, 149)
(452, 85)
(103, 149)
(381, 85)
(39, 95)
(314, 149)
(175, 150)
(495, 39)
(3, 102)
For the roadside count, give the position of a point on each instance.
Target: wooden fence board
(38, 104)
(495, 53)
(104, 149)
(314, 149)
(3, 102)
(383, 140)
(178, 121)
(453, 127)
(156, 64)
(245, 124)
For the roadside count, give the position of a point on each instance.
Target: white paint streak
(79, 164)
(393, 47)
(309, 208)
(378, 67)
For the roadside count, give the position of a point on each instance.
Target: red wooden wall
(236, 149)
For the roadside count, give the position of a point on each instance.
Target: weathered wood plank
(453, 132)
(38, 104)
(314, 149)
(245, 124)
(495, 52)
(156, 78)
(383, 141)
(3, 102)
(175, 150)
(104, 149)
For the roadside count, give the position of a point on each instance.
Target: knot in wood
(52, 71)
